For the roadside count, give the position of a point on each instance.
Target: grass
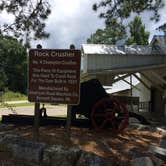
(13, 96)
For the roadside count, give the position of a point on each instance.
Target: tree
(13, 67)
(115, 32)
(121, 9)
(29, 17)
(138, 34)
(3, 79)
(162, 28)
(118, 11)
(98, 37)
(109, 35)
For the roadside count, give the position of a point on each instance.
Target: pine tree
(138, 34)
(118, 11)
(122, 9)
(29, 18)
(162, 28)
(109, 35)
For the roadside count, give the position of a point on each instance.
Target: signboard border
(28, 87)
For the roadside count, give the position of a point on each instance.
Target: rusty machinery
(104, 111)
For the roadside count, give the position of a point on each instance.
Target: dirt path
(52, 110)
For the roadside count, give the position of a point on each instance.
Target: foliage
(163, 28)
(115, 32)
(3, 79)
(110, 35)
(13, 59)
(98, 37)
(12, 96)
(138, 34)
(120, 9)
(29, 18)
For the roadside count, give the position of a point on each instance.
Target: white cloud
(152, 25)
(71, 22)
(6, 18)
(74, 21)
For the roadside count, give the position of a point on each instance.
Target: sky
(73, 22)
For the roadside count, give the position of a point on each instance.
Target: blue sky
(73, 21)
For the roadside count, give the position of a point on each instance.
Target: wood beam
(120, 78)
(139, 79)
(130, 84)
(157, 86)
(157, 76)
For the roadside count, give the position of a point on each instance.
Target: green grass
(13, 96)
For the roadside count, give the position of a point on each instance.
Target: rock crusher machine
(103, 111)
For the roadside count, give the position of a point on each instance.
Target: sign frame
(53, 72)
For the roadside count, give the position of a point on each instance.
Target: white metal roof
(121, 85)
(160, 39)
(159, 43)
(113, 49)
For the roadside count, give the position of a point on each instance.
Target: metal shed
(107, 61)
(101, 58)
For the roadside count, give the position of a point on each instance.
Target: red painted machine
(103, 111)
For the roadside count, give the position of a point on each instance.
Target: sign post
(36, 121)
(54, 76)
(69, 107)
(36, 114)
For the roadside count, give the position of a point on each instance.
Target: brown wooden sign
(54, 76)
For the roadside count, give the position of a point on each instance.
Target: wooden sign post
(69, 107)
(36, 122)
(36, 114)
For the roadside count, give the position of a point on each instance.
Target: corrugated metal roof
(160, 39)
(159, 44)
(113, 49)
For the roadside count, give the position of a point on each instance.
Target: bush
(13, 96)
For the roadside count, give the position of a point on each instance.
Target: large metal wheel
(109, 113)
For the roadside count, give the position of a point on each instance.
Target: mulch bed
(104, 144)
